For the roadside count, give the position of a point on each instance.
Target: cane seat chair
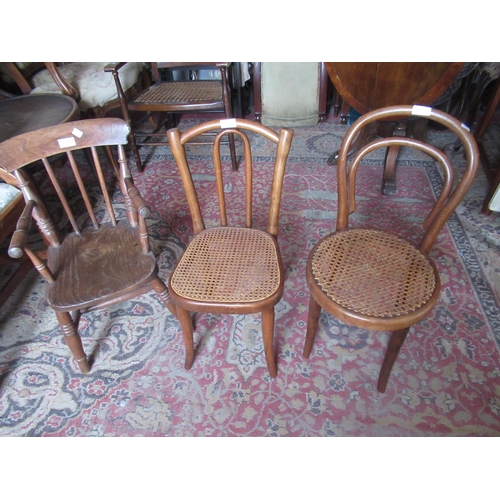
(170, 96)
(230, 269)
(104, 257)
(371, 278)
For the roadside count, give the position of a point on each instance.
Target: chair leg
(268, 334)
(232, 149)
(161, 289)
(395, 343)
(73, 340)
(312, 326)
(187, 332)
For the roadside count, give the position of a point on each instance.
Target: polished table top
(26, 113)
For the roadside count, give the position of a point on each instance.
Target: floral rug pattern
(446, 381)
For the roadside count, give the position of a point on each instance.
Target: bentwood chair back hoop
(170, 96)
(105, 256)
(230, 269)
(370, 278)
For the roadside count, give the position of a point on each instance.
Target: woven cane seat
(182, 93)
(373, 273)
(228, 264)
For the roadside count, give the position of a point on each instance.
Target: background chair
(230, 269)
(103, 258)
(169, 95)
(371, 278)
(89, 83)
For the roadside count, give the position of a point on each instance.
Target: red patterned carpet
(445, 381)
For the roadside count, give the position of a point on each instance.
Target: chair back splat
(105, 257)
(369, 277)
(232, 266)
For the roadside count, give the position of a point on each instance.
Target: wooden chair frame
(189, 299)
(448, 200)
(95, 265)
(153, 106)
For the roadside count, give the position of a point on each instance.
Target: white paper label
(228, 123)
(67, 142)
(77, 133)
(421, 110)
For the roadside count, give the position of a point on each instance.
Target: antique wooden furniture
(11, 206)
(103, 259)
(492, 174)
(89, 83)
(22, 114)
(168, 96)
(372, 278)
(230, 269)
(373, 85)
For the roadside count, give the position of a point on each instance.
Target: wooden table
(369, 86)
(26, 113)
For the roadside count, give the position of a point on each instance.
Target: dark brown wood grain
(100, 262)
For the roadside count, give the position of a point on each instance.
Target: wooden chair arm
(109, 68)
(64, 86)
(20, 235)
(139, 204)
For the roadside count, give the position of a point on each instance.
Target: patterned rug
(444, 383)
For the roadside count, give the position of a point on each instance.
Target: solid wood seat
(230, 268)
(371, 278)
(101, 258)
(110, 255)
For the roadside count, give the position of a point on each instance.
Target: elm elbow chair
(102, 258)
(371, 278)
(230, 269)
(168, 97)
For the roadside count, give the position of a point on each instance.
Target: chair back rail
(449, 197)
(235, 126)
(66, 139)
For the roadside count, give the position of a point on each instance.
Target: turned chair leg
(268, 334)
(187, 332)
(393, 348)
(73, 340)
(312, 326)
(161, 289)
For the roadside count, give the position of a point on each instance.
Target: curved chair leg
(312, 326)
(73, 340)
(395, 343)
(187, 332)
(268, 334)
(161, 289)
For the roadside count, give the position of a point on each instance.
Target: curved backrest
(236, 126)
(47, 145)
(452, 191)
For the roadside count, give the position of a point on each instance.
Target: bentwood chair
(105, 256)
(170, 96)
(230, 267)
(372, 278)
